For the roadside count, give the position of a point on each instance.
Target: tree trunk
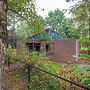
(3, 31)
(3, 20)
(1, 63)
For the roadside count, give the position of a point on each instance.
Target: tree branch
(19, 15)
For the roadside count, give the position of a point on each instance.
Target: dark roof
(47, 29)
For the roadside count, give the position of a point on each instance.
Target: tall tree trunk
(3, 19)
(3, 31)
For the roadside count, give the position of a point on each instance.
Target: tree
(58, 22)
(24, 19)
(3, 34)
(81, 21)
(81, 17)
(24, 30)
(3, 12)
(24, 8)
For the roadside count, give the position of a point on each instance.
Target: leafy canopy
(58, 22)
(24, 16)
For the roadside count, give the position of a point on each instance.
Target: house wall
(64, 51)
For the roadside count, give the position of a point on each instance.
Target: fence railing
(31, 67)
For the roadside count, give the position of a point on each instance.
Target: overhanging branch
(19, 15)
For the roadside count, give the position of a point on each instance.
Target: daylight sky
(49, 5)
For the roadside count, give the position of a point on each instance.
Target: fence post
(9, 64)
(29, 72)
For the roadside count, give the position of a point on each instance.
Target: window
(34, 46)
(31, 46)
(49, 48)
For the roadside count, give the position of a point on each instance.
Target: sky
(45, 6)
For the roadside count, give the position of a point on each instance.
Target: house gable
(48, 34)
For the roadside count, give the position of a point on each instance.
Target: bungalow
(56, 46)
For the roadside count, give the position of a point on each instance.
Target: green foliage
(52, 67)
(23, 18)
(57, 21)
(53, 85)
(47, 82)
(23, 54)
(77, 73)
(39, 80)
(42, 81)
(17, 77)
(85, 41)
(81, 19)
(23, 7)
(85, 49)
(25, 30)
(11, 55)
(87, 80)
(80, 14)
(85, 56)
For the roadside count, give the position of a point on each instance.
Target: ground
(12, 81)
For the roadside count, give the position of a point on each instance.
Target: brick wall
(64, 51)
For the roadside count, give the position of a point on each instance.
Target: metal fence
(39, 79)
